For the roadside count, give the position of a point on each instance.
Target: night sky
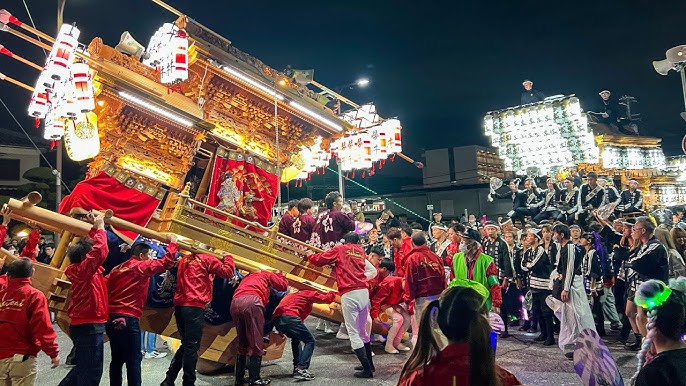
(438, 68)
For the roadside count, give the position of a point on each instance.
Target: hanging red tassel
(353, 174)
(363, 174)
(54, 143)
(393, 158)
(380, 164)
(36, 122)
(372, 167)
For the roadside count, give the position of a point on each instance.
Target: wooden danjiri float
(189, 136)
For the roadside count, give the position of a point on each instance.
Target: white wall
(28, 159)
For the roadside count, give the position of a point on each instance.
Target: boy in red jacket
(194, 277)
(402, 245)
(127, 284)
(25, 327)
(247, 310)
(88, 305)
(289, 319)
(388, 298)
(353, 271)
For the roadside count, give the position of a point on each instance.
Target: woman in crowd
(676, 261)
(662, 319)
(461, 315)
(624, 246)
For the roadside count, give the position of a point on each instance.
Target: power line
(34, 144)
(375, 193)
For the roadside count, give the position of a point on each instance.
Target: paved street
(333, 362)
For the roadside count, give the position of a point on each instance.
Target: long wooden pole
(15, 82)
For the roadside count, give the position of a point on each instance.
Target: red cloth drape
(247, 178)
(105, 192)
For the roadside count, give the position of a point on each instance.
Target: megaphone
(676, 54)
(128, 45)
(663, 66)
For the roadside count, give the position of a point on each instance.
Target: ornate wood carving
(246, 119)
(97, 49)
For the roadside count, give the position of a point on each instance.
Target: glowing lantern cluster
(168, 50)
(64, 96)
(545, 135)
(49, 87)
(359, 150)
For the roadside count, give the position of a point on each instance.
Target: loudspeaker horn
(676, 54)
(663, 66)
(128, 45)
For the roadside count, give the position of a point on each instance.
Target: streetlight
(361, 83)
(675, 60)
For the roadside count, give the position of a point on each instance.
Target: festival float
(547, 138)
(189, 136)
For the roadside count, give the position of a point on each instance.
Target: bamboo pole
(15, 82)
(61, 250)
(5, 51)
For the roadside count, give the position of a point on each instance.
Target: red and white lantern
(395, 141)
(54, 126)
(62, 54)
(82, 89)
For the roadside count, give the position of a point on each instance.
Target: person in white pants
(352, 270)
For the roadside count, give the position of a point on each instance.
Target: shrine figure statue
(229, 195)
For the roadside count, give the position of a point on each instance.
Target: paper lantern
(82, 87)
(395, 140)
(62, 54)
(54, 126)
(81, 139)
(38, 107)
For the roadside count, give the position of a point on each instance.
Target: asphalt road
(333, 363)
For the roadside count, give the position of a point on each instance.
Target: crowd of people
(430, 292)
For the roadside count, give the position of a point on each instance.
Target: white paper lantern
(81, 139)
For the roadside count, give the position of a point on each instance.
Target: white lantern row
(615, 157)
(356, 150)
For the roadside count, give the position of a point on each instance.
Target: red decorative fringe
(54, 143)
(36, 122)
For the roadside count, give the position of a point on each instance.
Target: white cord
(33, 24)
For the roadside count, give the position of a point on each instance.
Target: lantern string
(387, 199)
(33, 143)
(34, 24)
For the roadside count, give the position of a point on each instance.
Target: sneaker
(402, 347)
(379, 338)
(391, 350)
(155, 355)
(616, 326)
(321, 325)
(570, 355)
(341, 335)
(303, 375)
(329, 330)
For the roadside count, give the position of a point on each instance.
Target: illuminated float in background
(549, 137)
(177, 130)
